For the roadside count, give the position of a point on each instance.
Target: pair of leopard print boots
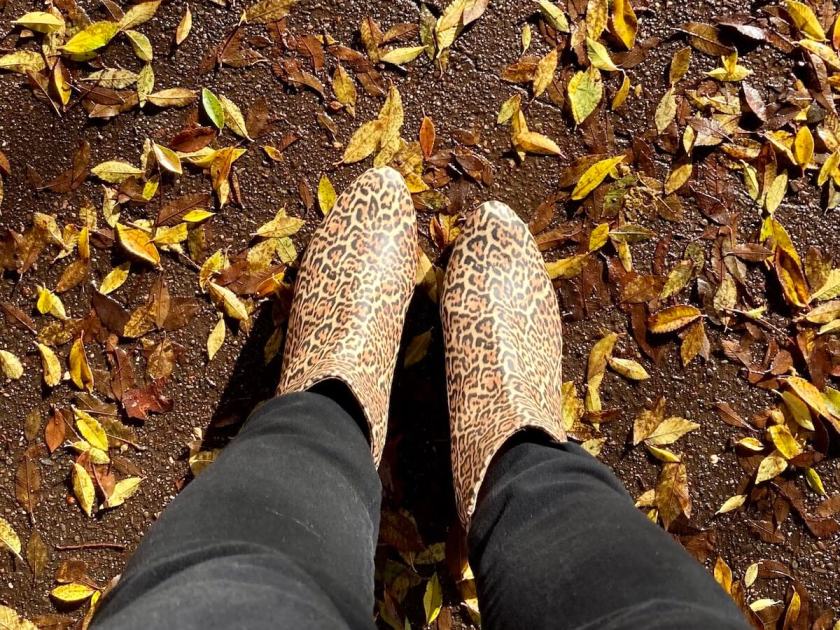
(500, 317)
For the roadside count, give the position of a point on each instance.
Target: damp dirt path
(464, 99)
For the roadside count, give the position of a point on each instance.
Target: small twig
(93, 545)
(760, 322)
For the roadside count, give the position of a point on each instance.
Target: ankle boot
(352, 293)
(503, 343)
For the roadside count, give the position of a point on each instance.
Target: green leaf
(213, 108)
(432, 599)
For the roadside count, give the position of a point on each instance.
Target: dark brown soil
(417, 477)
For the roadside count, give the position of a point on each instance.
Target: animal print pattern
(353, 290)
(503, 342)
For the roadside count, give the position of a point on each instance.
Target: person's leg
(556, 542)
(279, 532)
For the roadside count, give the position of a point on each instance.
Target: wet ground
(465, 98)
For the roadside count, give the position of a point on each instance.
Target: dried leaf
(123, 490)
(670, 430)
(10, 365)
(770, 467)
(672, 498)
(326, 195)
(624, 22)
(91, 38)
(732, 503)
(665, 111)
(28, 484)
(432, 599)
(545, 72)
(585, 91)
(8, 537)
(84, 490)
(73, 593)
(594, 175)
(80, 371)
(673, 318)
(50, 365)
(629, 369)
(184, 27)
(216, 338)
(138, 244)
(805, 20)
(267, 11)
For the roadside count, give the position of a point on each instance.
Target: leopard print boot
(503, 342)
(352, 293)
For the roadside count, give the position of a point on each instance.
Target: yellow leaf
(83, 489)
(624, 22)
(665, 111)
(815, 481)
(599, 355)
(10, 365)
(751, 443)
(72, 593)
(184, 27)
(432, 599)
(80, 370)
(678, 177)
(201, 460)
(40, 21)
(770, 467)
(672, 498)
(115, 172)
(233, 117)
(533, 142)
(50, 365)
(810, 394)
(266, 11)
(585, 91)
(400, 56)
(281, 225)
(662, 454)
(91, 38)
(166, 235)
(732, 503)
(326, 195)
(784, 441)
(114, 278)
(172, 97)
(216, 338)
(139, 13)
(363, 142)
(23, 61)
(671, 430)
(555, 16)
(141, 45)
(629, 369)
(344, 87)
(751, 574)
(594, 175)
(598, 56)
(49, 302)
(776, 192)
(167, 158)
(123, 490)
(525, 36)
(599, 236)
(9, 619)
(596, 17)
(417, 348)
(566, 267)
(8, 537)
(730, 71)
(761, 604)
(673, 318)
(544, 74)
(229, 302)
(804, 19)
(723, 575)
(137, 244)
(90, 429)
(803, 146)
(826, 53)
(621, 94)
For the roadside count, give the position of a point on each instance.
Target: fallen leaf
(83, 489)
(673, 318)
(594, 175)
(585, 91)
(216, 339)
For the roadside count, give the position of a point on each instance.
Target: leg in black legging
(279, 532)
(556, 542)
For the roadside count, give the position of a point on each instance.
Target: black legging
(280, 532)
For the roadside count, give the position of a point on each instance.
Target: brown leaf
(192, 139)
(139, 403)
(37, 555)
(72, 178)
(55, 430)
(16, 317)
(28, 485)
(427, 137)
